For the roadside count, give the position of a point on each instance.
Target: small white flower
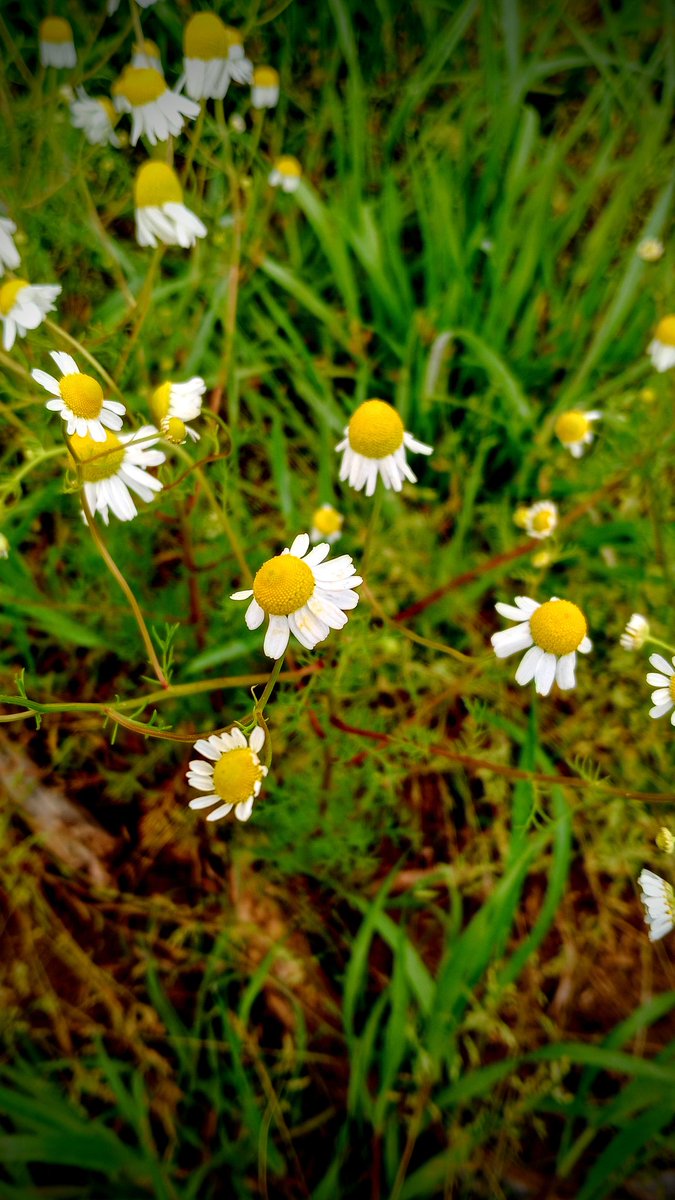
(206, 50)
(661, 349)
(635, 634)
(57, 48)
(80, 400)
(552, 634)
(159, 209)
(24, 306)
(178, 402)
(540, 520)
(112, 469)
(239, 66)
(375, 444)
(9, 255)
(96, 119)
(286, 173)
(659, 903)
(157, 112)
(575, 431)
(326, 525)
(233, 773)
(147, 55)
(663, 698)
(265, 87)
(650, 250)
(301, 594)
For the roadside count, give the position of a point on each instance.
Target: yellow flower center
(83, 395)
(671, 687)
(288, 165)
(140, 85)
(327, 520)
(265, 77)
(8, 294)
(572, 427)
(558, 626)
(542, 521)
(97, 460)
(174, 430)
(235, 775)
(283, 584)
(205, 37)
(156, 184)
(160, 401)
(665, 331)
(375, 430)
(233, 36)
(55, 29)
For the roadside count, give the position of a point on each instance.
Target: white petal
(48, 382)
(527, 605)
(528, 665)
(659, 681)
(586, 646)
(238, 739)
(660, 710)
(328, 612)
(55, 405)
(65, 362)
(276, 638)
(317, 555)
(199, 767)
(661, 664)
(255, 615)
(204, 801)
(257, 739)
(545, 674)
(241, 595)
(564, 674)
(204, 747)
(511, 641)
(662, 696)
(510, 612)
(243, 810)
(300, 545)
(220, 812)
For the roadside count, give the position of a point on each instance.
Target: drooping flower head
(9, 255)
(375, 444)
(540, 520)
(147, 55)
(552, 634)
(265, 87)
(156, 111)
(239, 66)
(663, 680)
(174, 404)
(206, 50)
(232, 775)
(160, 213)
(661, 349)
(575, 430)
(326, 525)
(57, 47)
(24, 306)
(96, 118)
(659, 904)
(635, 634)
(301, 594)
(80, 400)
(650, 249)
(116, 467)
(286, 173)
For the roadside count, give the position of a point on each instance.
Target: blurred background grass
(420, 970)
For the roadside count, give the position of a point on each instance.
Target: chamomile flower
(206, 49)
(57, 48)
(575, 430)
(650, 250)
(174, 404)
(24, 306)
(286, 173)
(156, 111)
(301, 594)
(658, 899)
(79, 400)
(9, 255)
(95, 117)
(551, 634)
(159, 209)
(232, 776)
(375, 444)
(265, 87)
(663, 698)
(661, 349)
(239, 66)
(326, 525)
(541, 519)
(147, 55)
(635, 634)
(111, 470)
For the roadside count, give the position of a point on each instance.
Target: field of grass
(421, 968)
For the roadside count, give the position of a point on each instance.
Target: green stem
(219, 510)
(194, 142)
(142, 305)
(269, 687)
(652, 641)
(374, 518)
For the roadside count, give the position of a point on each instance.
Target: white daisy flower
(9, 255)
(159, 209)
(635, 634)
(661, 349)
(286, 173)
(57, 48)
(552, 634)
(574, 429)
(95, 117)
(239, 66)
(375, 444)
(24, 306)
(659, 903)
(326, 525)
(156, 111)
(233, 773)
(206, 50)
(539, 521)
(650, 250)
(147, 55)
(80, 400)
(663, 698)
(174, 404)
(111, 469)
(301, 594)
(265, 87)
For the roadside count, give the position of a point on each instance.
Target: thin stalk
(194, 142)
(269, 687)
(142, 306)
(370, 532)
(221, 514)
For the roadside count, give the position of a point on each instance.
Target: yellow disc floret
(8, 294)
(140, 85)
(160, 401)
(205, 37)
(283, 585)
(288, 165)
(265, 77)
(327, 520)
(83, 395)
(558, 627)
(375, 430)
(174, 430)
(572, 427)
(542, 521)
(156, 184)
(97, 460)
(236, 774)
(665, 331)
(55, 30)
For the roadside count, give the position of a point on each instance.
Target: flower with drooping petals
(286, 173)
(159, 209)
(663, 680)
(575, 430)
(661, 349)
(24, 306)
(79, 400)
(326, 525)
(635, 634)
(178, 402)
(239, 66)
(57, 48)
(265, 87)
(375, 444)
(156, 111)
(232, 775)
(551, 634)
(147, 55)
(110, 471)
(96, 118)
(206, 50)
(658, 899)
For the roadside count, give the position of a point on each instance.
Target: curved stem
(269, 687)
